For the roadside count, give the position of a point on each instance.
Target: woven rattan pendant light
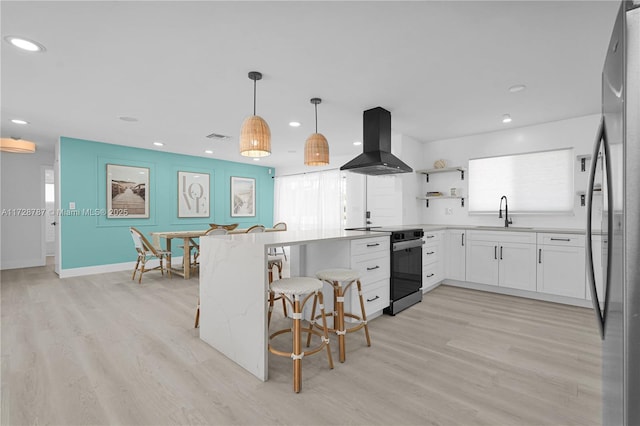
(316, 148)
(255, 136)
(17, 145)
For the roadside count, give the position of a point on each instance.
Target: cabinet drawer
(374, 295)
(431, 275)
(570, 240)
(432, 237)
(374, 266)
(370, 245)
(430, 254)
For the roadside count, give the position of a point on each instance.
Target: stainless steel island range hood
(377, 158)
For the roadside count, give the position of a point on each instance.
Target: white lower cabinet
(482, 262)
(455, 254)
(561, 265)
(432, 259)
(505, 259)
(372, 257)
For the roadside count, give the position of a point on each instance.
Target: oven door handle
(402, 245)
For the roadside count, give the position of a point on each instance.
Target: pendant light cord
(254, 97)
(316, 105)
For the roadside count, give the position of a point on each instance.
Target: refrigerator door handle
(600, 138)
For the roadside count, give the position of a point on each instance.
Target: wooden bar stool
(275, 262)
(336, 278)
(292, 289)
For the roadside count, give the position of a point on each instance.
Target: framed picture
(193, 194)
(243, 197)
(127, 192)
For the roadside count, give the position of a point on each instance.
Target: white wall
(411, 152)
(22, 188)
(577, 133)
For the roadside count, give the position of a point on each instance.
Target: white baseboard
(431, 287)
(521, 293)
(112, 267)
(22, 263)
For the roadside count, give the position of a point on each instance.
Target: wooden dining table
(186, 237)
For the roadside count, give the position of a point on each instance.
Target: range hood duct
(376, 158)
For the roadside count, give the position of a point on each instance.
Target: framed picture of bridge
(127, 192)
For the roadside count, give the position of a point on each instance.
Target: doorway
(49, 218)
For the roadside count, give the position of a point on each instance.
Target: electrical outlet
(448, 211)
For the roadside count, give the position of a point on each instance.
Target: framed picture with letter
(193, 195)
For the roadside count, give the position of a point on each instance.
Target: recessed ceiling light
(256, 159)
(357, 143)
(292, 151)
(517, 88)
(25, 44)
(506, 118)
(208, 151)
(127, 118)
(294, 124)
(158, 144)
(17, 121)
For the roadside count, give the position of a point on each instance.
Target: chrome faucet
(507, 221)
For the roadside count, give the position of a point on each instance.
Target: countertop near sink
(427, 228)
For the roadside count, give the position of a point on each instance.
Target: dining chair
(229, 227)
(255, 228)
(147, 251)
(196, 245)
(280, 226)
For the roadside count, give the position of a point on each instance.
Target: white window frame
(534, 183)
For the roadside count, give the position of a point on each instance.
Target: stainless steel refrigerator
(613, 225)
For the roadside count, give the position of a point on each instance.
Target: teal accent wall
(89, 238)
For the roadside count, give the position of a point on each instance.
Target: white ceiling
(441, 68)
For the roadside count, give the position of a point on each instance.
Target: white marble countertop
(290, 237)
(428, 228)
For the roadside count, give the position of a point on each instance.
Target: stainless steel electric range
(406, 266)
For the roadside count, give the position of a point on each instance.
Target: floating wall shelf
(427, 172)
(583, 161)
(439, 197)
(583, 195)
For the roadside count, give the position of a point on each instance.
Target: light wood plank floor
(102, 349)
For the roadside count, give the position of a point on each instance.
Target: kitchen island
(234, 285)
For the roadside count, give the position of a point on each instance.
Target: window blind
(539, 182)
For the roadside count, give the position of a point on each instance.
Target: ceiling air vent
(218, 136)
